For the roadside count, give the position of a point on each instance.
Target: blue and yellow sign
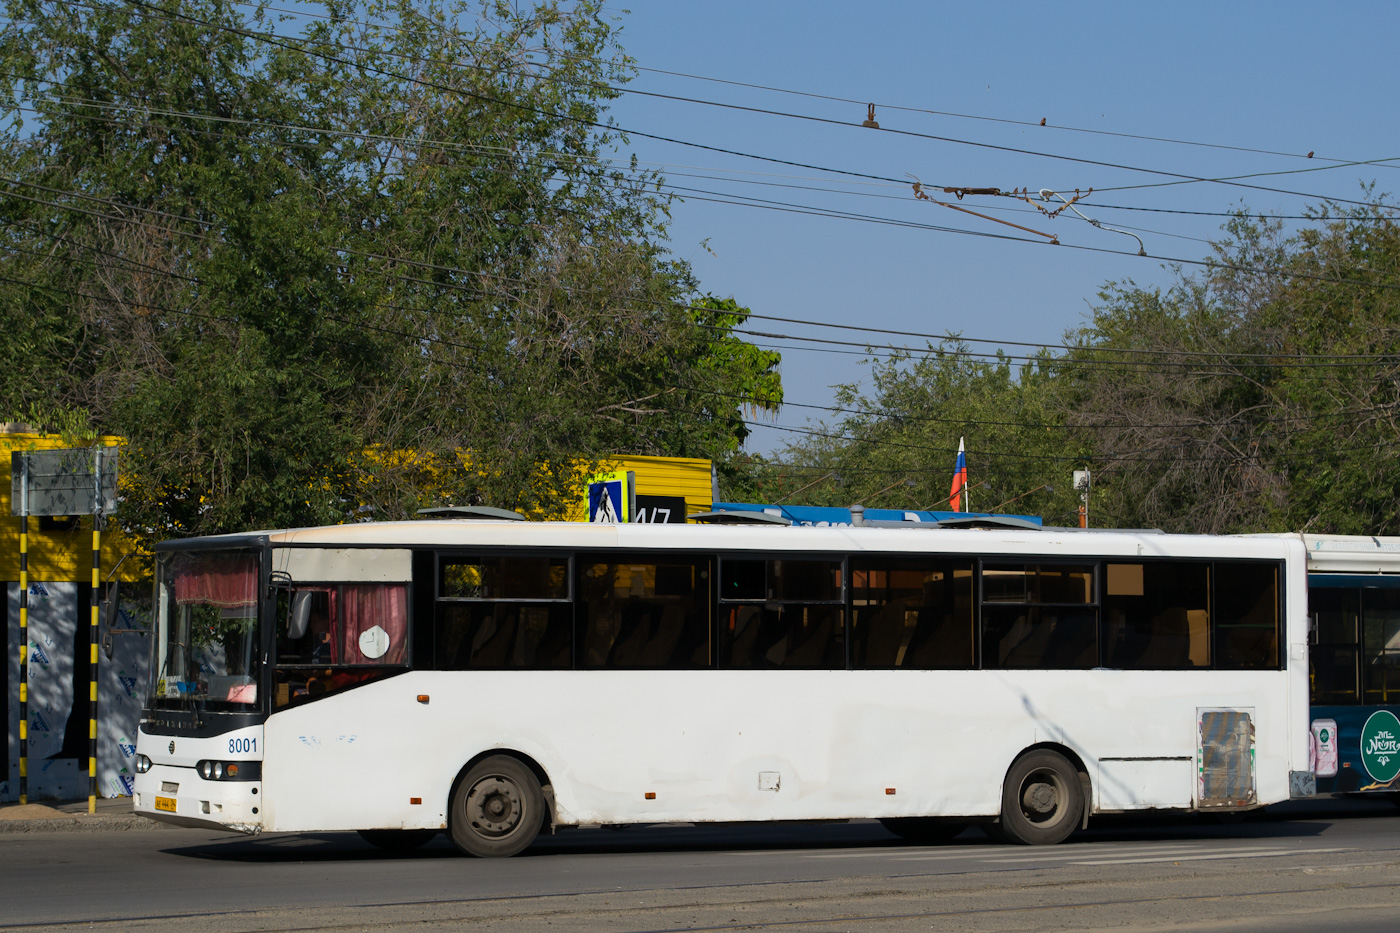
(610, 497)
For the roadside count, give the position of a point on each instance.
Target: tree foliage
(350, 265)
(1258, 395)
(896, 445)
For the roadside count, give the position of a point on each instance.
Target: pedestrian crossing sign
(611, 497)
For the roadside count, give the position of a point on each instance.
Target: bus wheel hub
(1039, 798)
(493, 806)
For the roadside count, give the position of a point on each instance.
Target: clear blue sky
(1287, 77)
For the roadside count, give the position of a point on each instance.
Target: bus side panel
(1352, 776)
(358, 760)
(779, 745)
(744, 745)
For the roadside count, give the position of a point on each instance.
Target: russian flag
(959, 480)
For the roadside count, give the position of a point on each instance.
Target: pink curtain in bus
(358, 608)
(226, 582)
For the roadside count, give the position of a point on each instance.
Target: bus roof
(1364, 554)
(1051, 542)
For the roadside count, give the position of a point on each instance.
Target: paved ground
(51, 816)
(1329, 865)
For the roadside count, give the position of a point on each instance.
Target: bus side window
(503, 636)
(1155, 615)
(794, 621)
(639, 613)
(1336, 649)
(503, 613)
(1381, 648)
(1039, 616)
(1246, 615)
(911, 612)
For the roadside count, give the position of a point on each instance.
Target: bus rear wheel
(1042, 799)
(497, 808)
(924, 830)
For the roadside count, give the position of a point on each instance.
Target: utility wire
(1273, 360)
(288, 43)
(643, 181)
(283, 42)
(1172, 451)
(1097, 457)
(887, 415)
(882, 105)
(667, 167)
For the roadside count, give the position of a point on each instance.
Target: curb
(79, 824)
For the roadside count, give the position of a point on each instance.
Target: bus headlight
(230, 770)
(143, 764)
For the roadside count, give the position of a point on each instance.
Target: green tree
(1259, 394)
(1266, 400)
(897, 444)
(279, 261)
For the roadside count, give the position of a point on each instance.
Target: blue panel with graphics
(815, 515)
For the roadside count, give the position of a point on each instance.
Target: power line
(1097, 457)
(715, 196)
(662, 166)
(1212, 354)
(904, 417)
(1154, 366)
(285, 42)
(1273, 360)
(883, 105)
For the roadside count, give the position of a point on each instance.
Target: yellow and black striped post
(24, 658)
(92, 666)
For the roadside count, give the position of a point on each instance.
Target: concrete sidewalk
(69, 816)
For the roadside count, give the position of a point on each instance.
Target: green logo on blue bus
(1380, 746)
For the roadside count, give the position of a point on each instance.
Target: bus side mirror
(300, 616)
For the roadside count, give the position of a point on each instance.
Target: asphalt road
(1323, 865)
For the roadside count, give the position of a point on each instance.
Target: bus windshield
(207, 638)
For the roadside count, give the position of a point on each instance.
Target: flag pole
(958, 494)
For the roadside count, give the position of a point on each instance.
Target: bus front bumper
(178, 795)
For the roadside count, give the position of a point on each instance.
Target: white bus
(493, 679)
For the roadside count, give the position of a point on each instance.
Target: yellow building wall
(660, 476)
(61, 556)
(66, 556)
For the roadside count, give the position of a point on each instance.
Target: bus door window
(782, 614)
(334, 636)
(1246, 615)
(1335, 656)
(644, 613)
(1381, 644)
(911, 612)
(503, 612)
(1156, 615)
(1039, 616)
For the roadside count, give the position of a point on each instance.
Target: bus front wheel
(497, 808)
(1042, 799)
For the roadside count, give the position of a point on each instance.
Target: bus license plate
(165, 803)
